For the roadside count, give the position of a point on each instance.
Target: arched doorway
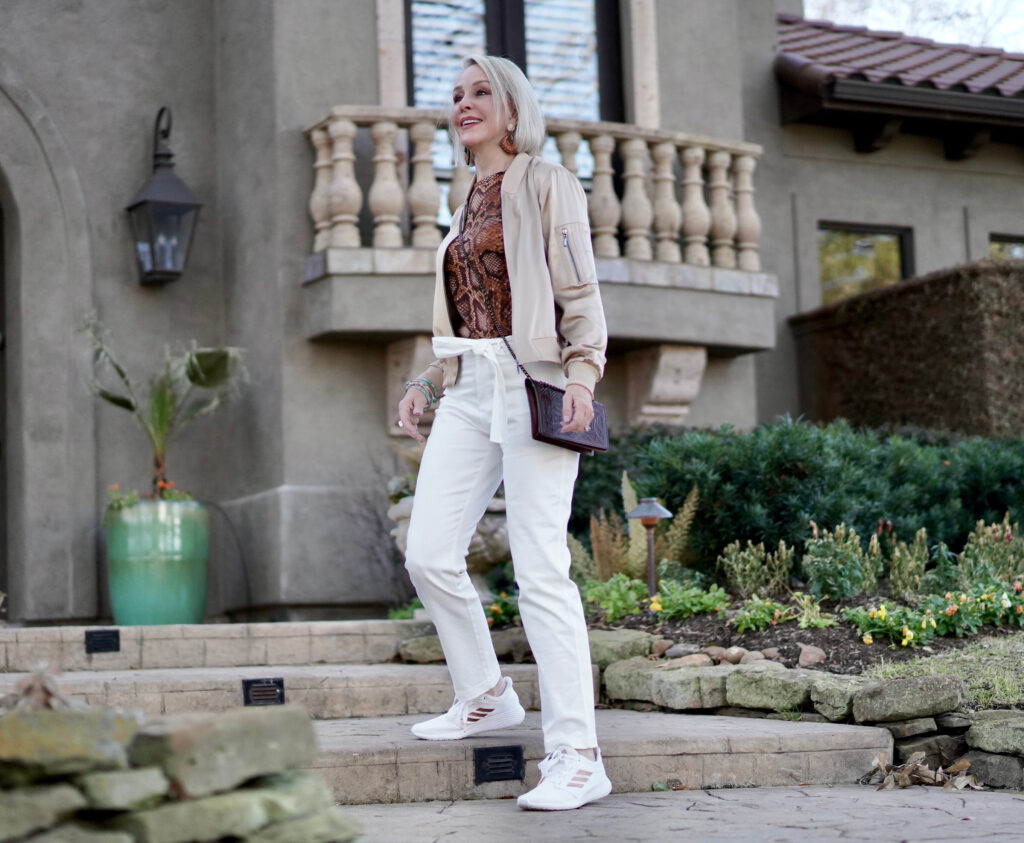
(48, 448)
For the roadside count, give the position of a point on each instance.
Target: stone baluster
(386, 198)
(696, 214)
(748, 223)
(319, 199)
(667, 213)
(723, 218)
(637, 211)
(345, 197)
(424, 193)
(568, 145)
(605, 210)
(462, 179)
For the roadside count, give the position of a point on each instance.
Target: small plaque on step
(498, 763)
(263, 691)
(103, 641)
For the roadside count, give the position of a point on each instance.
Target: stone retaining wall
(94, 776)
(923, 713)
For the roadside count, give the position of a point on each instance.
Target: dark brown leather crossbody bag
(545, 399)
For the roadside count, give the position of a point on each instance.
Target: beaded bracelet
(422, 384)
(430, 400)
(435, 396)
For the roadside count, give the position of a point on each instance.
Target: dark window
(1006, 247)
(855, 258)
(569, 49)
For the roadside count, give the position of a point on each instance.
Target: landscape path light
(163, 213)
(649, 511)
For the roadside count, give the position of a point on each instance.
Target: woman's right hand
(410, 408)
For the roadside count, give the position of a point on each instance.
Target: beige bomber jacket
(550, 259)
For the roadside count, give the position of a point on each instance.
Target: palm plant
(189, 385)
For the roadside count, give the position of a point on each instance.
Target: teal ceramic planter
(157, 554)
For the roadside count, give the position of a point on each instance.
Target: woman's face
(474, 112)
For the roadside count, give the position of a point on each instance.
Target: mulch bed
(844, 650)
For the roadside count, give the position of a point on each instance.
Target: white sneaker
(482, 714)
(568, 780)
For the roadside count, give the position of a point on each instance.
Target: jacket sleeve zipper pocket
(572, 257)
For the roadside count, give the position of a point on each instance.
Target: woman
(517, 264)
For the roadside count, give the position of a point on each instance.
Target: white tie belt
(489, 349)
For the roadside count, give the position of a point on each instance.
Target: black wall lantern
(163, 213)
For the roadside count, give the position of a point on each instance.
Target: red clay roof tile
(841, 52)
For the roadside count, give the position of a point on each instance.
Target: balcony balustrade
(684, 199)
(675, 240)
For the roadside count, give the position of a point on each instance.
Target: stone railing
(685, 198)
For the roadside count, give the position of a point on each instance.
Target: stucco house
(743, 165)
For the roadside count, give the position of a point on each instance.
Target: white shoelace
(561, 765)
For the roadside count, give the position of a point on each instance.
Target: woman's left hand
(577, 409)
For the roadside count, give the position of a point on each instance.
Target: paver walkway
(758, 815)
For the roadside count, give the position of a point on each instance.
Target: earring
(508, 143)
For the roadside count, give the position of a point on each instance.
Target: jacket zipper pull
(565, 237)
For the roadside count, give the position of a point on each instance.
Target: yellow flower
(503, 594)
(874, 613)
(655, 606)
(495, 609)
(933, 622)
(881, 612)
(924, 623)
(910, 635)
(904, 642)
(1005, 601)
(867, 639)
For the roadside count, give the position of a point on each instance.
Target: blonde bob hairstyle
(515, 102)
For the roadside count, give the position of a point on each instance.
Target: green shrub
(759, 613)
(908, 627)
(599, 482)
(675, 600)
(809, 613)
(616, 597)
(766, 485)
(504, 609)
(907, 566)
(836, 566)
(404, 613)
(963, 613)
(751, 570)
(994, 552)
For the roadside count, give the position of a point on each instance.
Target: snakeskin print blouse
(480, 259)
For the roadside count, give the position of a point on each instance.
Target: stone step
(63, 648)
(325, 691)
(374, 760)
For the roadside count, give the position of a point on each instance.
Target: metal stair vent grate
(103, 641)
(263, 691)
(498, 763)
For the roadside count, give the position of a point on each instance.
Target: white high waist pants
(461, 469)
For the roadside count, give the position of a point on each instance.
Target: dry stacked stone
(84, 776)
(923, 713)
